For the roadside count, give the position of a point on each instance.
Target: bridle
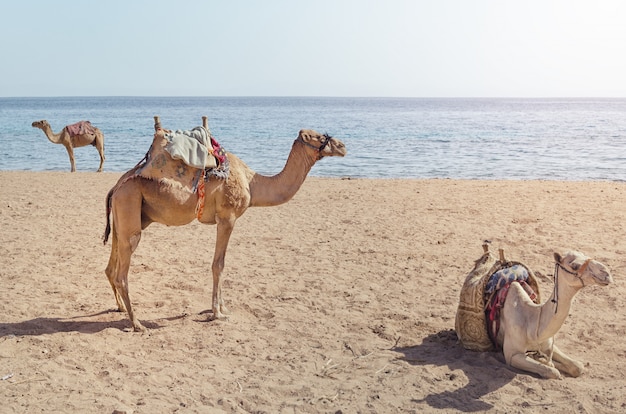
(578, 274)
(319, 150)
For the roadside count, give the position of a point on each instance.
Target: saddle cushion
(191, 147)
(80, 128)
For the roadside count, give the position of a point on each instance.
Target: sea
(582, 139)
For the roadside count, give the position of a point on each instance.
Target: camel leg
(566, 364)
(125, 251)
(126, 212)
(111, 272)
(70, 152)
(100, 148)
(224, 230)
(525, 363)
(518, 359)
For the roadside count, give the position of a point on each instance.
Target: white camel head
(581, 271)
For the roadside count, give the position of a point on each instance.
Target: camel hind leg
(99, 144)
(111, 272)
(120, 281)
(126, 213)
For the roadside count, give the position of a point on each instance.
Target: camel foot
(551, 373)
(137, 327)
(218, 316)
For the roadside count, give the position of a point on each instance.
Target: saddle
(186, 159)
(175, 154)
(80, 128)
(482, 296)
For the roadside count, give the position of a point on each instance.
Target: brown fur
(73, 141)
(136, 201)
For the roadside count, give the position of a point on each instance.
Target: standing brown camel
(136, 201)
(73, 136)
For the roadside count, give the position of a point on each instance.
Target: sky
(354, 48)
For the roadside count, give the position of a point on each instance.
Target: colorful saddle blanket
(81, 128)
(504, 277)
(496, 291)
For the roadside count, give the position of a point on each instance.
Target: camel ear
(304, 135)
(557, 257)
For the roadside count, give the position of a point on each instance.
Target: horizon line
(314, 96)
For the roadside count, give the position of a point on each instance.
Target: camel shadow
(87, 324)
(484, 370)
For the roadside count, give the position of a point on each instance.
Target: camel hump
(80, 128)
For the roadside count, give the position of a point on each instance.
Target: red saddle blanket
(80, 128)
(496, 291)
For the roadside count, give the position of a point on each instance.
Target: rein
(319, 150)
(577, 274)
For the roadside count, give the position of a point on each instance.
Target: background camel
(87, 135)
(136, 201)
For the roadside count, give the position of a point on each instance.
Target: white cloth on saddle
(192, 147)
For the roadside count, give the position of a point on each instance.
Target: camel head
(41, 124)
(585, 270)
(324, 144)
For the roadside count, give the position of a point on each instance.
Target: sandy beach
(341, 301)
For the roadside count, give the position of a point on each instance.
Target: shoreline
(353, 178)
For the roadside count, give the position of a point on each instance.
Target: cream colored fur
(526, 327)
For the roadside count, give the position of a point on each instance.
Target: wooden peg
(205, 122)
(485, 248)
(501, 251)
(157, 123)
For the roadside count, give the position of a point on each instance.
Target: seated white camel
(526, 326)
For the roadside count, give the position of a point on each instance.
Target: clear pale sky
(405, 48)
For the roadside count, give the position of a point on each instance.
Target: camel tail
(107, 230)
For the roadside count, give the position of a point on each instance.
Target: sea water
(552, 139)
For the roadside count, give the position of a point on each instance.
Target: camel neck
(556, 309)
(52, 137)
(280, 188)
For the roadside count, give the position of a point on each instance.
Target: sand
(342, 300)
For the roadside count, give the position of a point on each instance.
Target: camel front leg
(566, 364)
(526, 363)
(518, 359)
(70, 152)
(224, 230)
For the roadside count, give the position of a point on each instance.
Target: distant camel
(73, 136)
(136, 201)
